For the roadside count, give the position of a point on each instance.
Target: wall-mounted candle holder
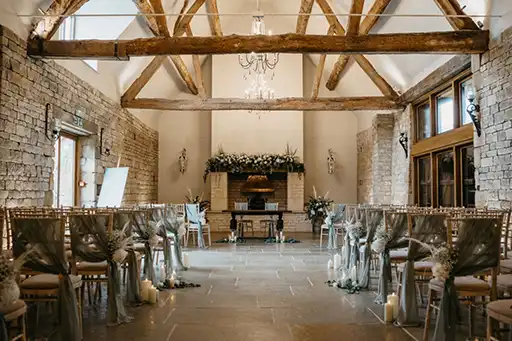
(107, 150)
(404, 141)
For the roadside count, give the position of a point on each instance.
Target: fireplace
(256, 189)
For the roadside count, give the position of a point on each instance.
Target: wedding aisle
(253, 291)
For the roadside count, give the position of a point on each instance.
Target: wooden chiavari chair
(468, 287)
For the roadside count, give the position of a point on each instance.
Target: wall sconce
(473, 110)
(331, 162)
(107, 150)
(183, 161)
(56, 125)
(404, 141)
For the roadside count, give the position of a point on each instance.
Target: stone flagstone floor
(254, 292)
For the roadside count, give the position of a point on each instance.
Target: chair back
(193, 214)
(241, 206)
(272, 206)
(179, 209)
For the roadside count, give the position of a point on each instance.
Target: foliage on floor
(349, 286)
(272, 240)
(178, 284)
(227, 241)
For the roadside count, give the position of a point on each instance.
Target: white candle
(283, 239)
(162, 272)
(393, 299)
(186, 262)
(152, 295)
(145, 285)
(330, 264)
(171, 282)
(388, 312)
(337, 261)
(353, 274)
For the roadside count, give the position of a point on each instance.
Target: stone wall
(27, 155)
(492, 75)
(401, 188)
(375, 150)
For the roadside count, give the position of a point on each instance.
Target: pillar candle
(283, 238)
(145, 285)
(388, 312)
(171, 282)
(330, 264)
(337, 261)
(186, 261)
(353, 274)
(152, 295)
(393, 299)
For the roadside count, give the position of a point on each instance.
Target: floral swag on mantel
(255, 163)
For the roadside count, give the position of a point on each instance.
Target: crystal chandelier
(259, 89)
(258, 62)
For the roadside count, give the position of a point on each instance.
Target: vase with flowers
(317, 208)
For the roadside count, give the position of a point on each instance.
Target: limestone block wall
(27, 155)
(401, 187)
(492, 76)
(375, 150)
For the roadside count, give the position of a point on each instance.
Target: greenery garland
(255, 163)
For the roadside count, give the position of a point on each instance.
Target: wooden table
(279, 213)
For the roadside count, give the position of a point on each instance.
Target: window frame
(71, 21)
(431, 98)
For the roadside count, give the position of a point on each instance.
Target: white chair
(270, 224)
(179, 209)
(248, 224)
(337, 209)
(194, 220)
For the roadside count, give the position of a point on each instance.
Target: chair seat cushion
(14, 310)
(418, 266)
(398, 255)
(501, 308)
(92, 266)
(47, 281)
(465, 283)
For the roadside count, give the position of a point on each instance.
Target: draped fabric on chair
(397, 231)
(478, 247)
(141, 228)
(345, 250)
(173, 228)
(429, 229)
(194, 218)
(45, 238)
(333, 218)
(355, 240)
(122, 220)
(96, 250)
(374, 220)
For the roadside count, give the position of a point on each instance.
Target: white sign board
(112, 190)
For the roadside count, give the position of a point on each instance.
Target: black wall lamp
(107, 150)
(473, 109)
(404, 141)
(56, 124)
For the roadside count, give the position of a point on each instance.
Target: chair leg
(471, 318)
(489, 328)
(321, 235)
(23, 327)
(428, 316)
(209, 237)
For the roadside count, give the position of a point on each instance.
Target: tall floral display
(317, 208)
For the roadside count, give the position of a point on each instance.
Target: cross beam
(458, 42)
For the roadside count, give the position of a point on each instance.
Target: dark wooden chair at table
(243, 224)
(270, 224)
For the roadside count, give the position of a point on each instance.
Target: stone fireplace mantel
(291, 193)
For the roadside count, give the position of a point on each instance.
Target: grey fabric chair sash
(374, 220)
(3, 328)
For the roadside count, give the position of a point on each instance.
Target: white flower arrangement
(356, 230)
(381, 239)
(443, 258)
(262, 163)
(117, 245)
(9, 290)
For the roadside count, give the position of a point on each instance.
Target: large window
(423, 165)
(68, 32)
(443, 109)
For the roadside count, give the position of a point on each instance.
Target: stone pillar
(295, 189)
(219, 191)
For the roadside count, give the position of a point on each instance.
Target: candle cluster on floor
(149, 293)
(175, 282)
(391, 309)
(349, 282)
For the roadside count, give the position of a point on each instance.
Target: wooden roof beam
(452, 7)
(197, 69)
(294, 103)
(306, 7)
(355, 20)
(213, 17)
(48, 26)
(160, 28)
(181, 24)
(320, 71)
(455, 42)
(367, 24)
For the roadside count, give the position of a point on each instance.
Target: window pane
(67, 172)
(423, 121)
(445, 179)
(92, 63)
(444, 108)
(468, 177)
(464, 87)
(424, 182)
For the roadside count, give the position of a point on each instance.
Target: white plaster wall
(324, 130)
